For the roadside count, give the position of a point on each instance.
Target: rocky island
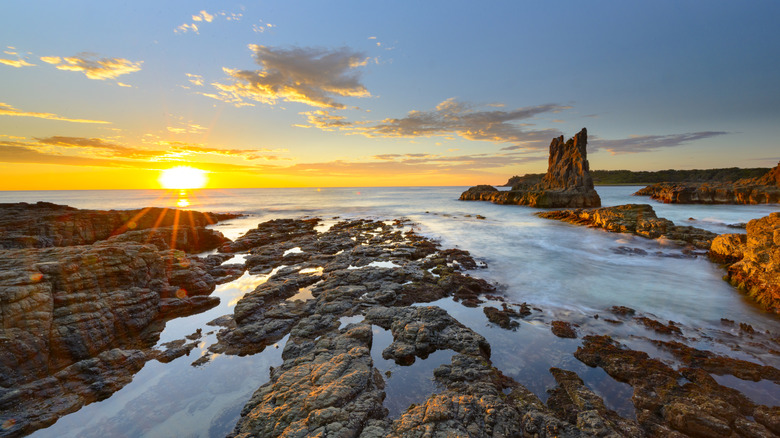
(567, 183)
(79, 320)
(758, 190)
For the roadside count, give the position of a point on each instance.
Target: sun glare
(183, 177)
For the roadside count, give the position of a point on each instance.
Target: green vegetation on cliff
(602, 177)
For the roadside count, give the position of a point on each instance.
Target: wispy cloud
(182, 149)
(99, 146)
(308, 75)
(196, 80)
(262, 27)
(449, 118)
(645, 143)
(8, 110)
(415, 164)
(93, 66)
(18, 62)
(205, 17)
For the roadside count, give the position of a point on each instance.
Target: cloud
(647, 143)
(8, 110)
(93, 66)
(184, 28)
(262, 27)
(204, 17)
(449, 118)
(195, 79)
(307, 75)
(16, 62)
(397, 164)
(247, 154)
(99, 146)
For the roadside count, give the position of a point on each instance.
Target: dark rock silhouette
(567, 183)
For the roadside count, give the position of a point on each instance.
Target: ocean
(566, 271)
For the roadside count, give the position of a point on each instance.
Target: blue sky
(310, 93)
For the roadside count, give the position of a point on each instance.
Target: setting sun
(183, 177)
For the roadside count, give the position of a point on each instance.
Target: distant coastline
(629, 177)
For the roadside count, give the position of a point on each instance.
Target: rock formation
(83, 316)
(753, 260)
(328, 384)
(638, 219)
(44, 224)
(567, 182)
(762, 190)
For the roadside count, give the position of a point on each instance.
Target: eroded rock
(638, 219)
(567, 182)
(753, 260)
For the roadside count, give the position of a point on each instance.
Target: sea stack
(567, 184)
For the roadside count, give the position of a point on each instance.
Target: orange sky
(107, 95)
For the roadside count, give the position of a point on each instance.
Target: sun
(182, 177)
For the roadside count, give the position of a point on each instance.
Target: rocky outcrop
(567, 182)
(44, 224)
(638, 219)
(753, 260)
(687, 401)
(77, 321)
(762, 190)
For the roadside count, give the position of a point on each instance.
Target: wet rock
(419, 331)
(575, 403)
(329, 388)
(563, 329)
(272, 231)
(638, 219)
(667, 329)
(502, 317)
(753, 260)
(39, 403)
(625, 250)
(688, 401)
(63, 305)
(622, 311)
(44, 224)
(720, 365)
(67, 310)
(567, 182)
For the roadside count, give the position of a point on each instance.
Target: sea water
(566, 270)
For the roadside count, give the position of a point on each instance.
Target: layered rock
(44, 224)
(77, 321)
(638, 219)
(672, 402)
(753, 260)
(762, 190)
(567, 182)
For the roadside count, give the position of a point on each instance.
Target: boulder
(753, 260)
(566, 184)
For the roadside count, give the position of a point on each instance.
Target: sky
(106, 95)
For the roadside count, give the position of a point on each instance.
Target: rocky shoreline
(379, 274)
(762, 190)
